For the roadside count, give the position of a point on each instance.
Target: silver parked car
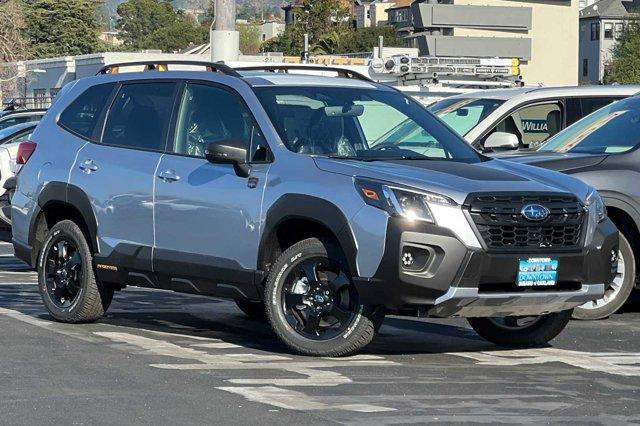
(523, 118)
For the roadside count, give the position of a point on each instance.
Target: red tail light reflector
(25, 150)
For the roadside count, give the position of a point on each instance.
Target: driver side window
(210, 114)
(533, 124)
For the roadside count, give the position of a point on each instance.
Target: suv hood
(561, 162)
(458, 180)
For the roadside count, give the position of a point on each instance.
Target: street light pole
(225, 40)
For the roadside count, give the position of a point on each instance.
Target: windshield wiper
(381, 158)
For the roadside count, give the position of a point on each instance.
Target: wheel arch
(59, 201)
(296, 217)
(626, 219)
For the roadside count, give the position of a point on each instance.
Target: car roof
(22, 112)
(11, 131)
(259, 75)
(558, 91)
(294, 79)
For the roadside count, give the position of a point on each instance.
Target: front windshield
(464, 114)
(612, 129)
(363, 124)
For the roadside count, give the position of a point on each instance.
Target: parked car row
(319, 203)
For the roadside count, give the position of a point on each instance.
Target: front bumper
(458, 281)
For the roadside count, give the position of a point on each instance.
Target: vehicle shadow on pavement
(188, 316)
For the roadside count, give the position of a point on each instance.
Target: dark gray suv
(602, 150)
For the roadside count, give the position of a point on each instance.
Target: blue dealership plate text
(537, 272)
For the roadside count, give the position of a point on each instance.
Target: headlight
(413, 205)
(596, 206)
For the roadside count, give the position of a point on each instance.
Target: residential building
(378, 12)
(291, 10)
(543, 36)
(269, 30)
(401, 17)
(111, 38)
(362, 10)
(601, 24)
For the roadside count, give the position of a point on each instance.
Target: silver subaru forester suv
(317, 203)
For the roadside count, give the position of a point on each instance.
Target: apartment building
(601, 24)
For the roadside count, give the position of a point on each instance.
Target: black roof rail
(157, 65)
(285, 68)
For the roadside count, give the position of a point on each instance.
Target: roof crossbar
(285, 68)
(163, 65)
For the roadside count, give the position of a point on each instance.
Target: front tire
(520, 331)
(617, 292)
(312, 304)
(66, 277)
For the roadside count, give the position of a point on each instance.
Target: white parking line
(618, 363)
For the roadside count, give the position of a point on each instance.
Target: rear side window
(140, 115)
(581, 107)
(82, 115)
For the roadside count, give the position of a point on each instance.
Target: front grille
(499, 221)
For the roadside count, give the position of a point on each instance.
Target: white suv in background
(523, 118)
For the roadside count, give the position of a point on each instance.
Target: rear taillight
(25, 150)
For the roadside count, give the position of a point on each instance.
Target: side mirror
(500, 141)
(229, 152)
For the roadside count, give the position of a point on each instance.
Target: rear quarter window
(82, 115)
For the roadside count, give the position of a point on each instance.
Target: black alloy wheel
(63, 272)
(318, 300)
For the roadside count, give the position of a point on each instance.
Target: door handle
(88, 166)
(169, 176)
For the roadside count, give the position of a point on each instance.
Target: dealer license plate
(537, 272)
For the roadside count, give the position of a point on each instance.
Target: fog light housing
(414, 258)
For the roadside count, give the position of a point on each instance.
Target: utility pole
(225, 40)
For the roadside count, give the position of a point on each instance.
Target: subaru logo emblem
(534, 212)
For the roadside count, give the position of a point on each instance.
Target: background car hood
(457, 180)
(558, 161)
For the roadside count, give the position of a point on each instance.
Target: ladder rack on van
(407, 70)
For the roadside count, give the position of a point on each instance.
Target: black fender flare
(60, 192)
(624, 203)
(307, 207)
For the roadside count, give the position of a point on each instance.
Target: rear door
(118, 173)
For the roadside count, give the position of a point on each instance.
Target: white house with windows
(601, 24)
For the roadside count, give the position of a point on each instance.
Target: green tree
(249, 39)
(62, 27)
(175, 36)
(155, 24)
(624, 67)
(13, 45)
(316, 18)
(139, 19)
(365, 39)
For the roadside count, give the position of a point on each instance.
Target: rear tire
(312, 305)
(617, 292)
(66, 277)
(537, 333)
(252, 309)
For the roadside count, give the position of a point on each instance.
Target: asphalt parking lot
(166, 358)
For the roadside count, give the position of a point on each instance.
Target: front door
(207, 217)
